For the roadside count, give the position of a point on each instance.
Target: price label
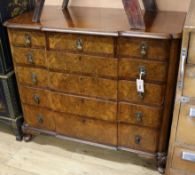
(140, 85)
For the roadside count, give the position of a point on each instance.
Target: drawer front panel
(131, 68)
(191, 52)
(86, 129)
(144, 48)
(91, 108)
(189, 81)
(140, 115)
(82, 43)
(36, 97)
(32, 76)
(22, 38)
(186, 125)
(33, 57)
(82, 85)
(95, 66)
(138, 138)
(181, 159)
(39, 117)
(154, 94)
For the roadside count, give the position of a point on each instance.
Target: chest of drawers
(181, 158)
(77, 77)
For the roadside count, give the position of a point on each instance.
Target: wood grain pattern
(83, 85)
(32, 76)
(191, 53)
(37, 38)
(154, 94)
(150, 116)
(131, 47)
(127, 134)
(21, 56)
(39, 117)
(91, 108)
(86, 129)
(130, 69)
(90, 44)
(82, 64)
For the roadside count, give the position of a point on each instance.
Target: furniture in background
(84, 75)
(181, 157)
(10, 108)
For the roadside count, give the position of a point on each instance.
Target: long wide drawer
(87, 107)
(83, 85)
(39, 117)
(154, 94)
(86, 129)
(131, 68)
(82, 64)
(82, 43)
(140, 115)
(139, 138)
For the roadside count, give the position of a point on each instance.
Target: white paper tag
(140, 85)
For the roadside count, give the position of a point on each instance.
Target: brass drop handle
(139, 116)
(29, 58)
(140, 82)
(143, 49)
(34, 78)
(137, 139)
(40, 119)
(79, 44)
(27, 40)
(36, 99)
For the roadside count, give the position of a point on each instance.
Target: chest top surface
(101, 21)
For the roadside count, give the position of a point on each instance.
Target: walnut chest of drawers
(77, 72)
(181, 158)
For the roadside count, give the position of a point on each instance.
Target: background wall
(175, 5)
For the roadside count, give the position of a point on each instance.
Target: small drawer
(191, 52)
(140, 115)
(92, 108)
(36, 97)
(32, 76)
(138, 138)
(154, 94)
(184, 159)
(186, 125)
(28, 39)
(82, 43)
(84, 85)
(144, 48)
(32, 57)
(131, 69)
(39, 117)
(82, 64)
(189, 81)
(86, 129)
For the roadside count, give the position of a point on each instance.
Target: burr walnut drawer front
(144, 48)
(32, 57)
(186, 125)
(191, 52)
(87, 107)
(189, 81)
(32, 76)
(153, 70)
(86, 129)
(138, 138)
(140, 115)
(82, 64)
(184, 159)
(154, 93)
(82, 43)
(36, 97)
(84, 85)
(39, 117)
(28, 38)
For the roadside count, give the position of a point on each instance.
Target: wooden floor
(51, 156)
